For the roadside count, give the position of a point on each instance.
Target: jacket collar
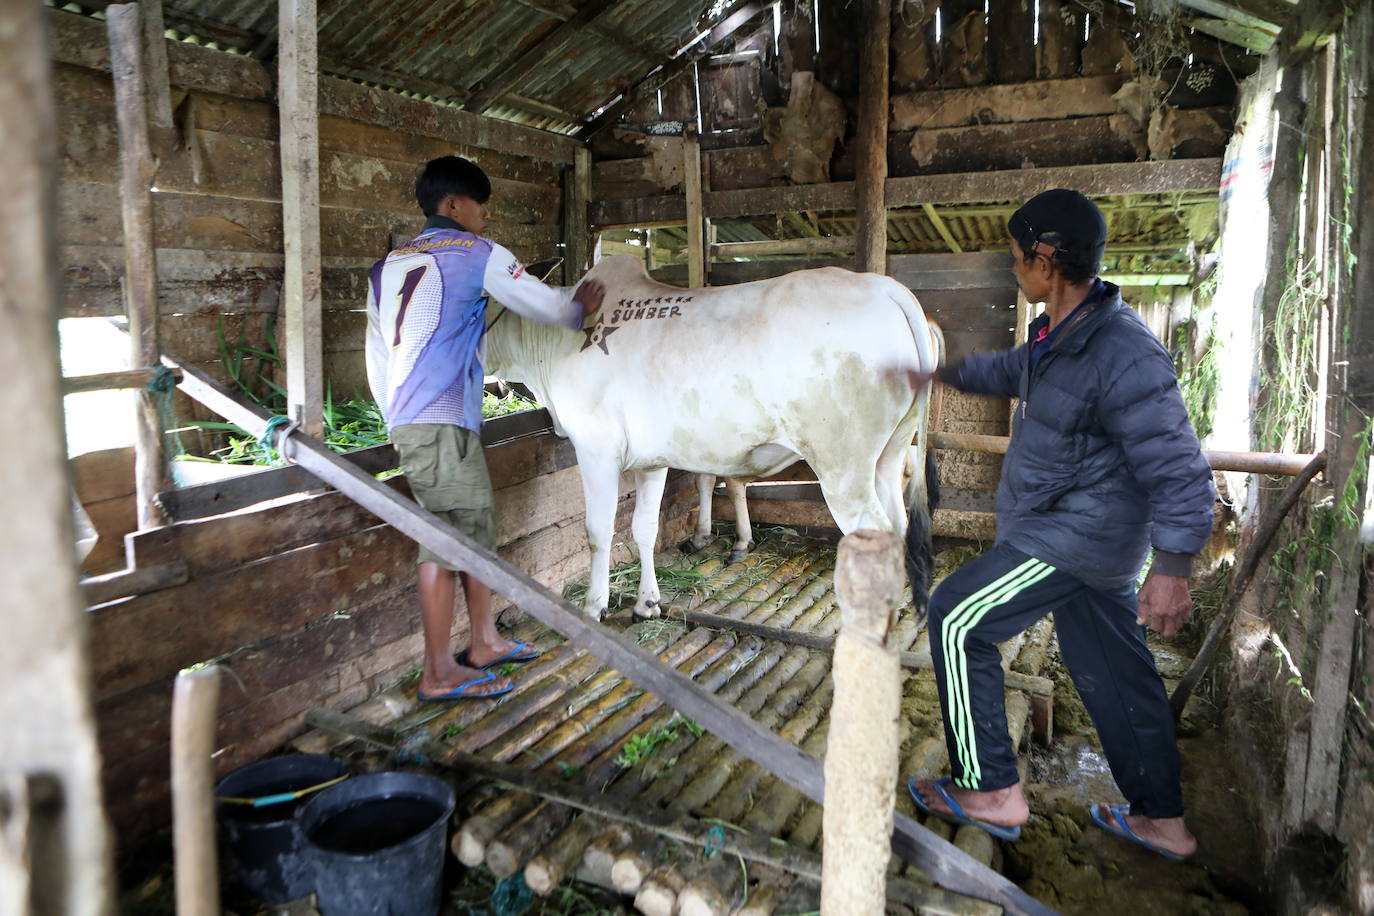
(1084, 321)
(443, 222)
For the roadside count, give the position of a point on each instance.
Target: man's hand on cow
(1164, 603)
(916, 378)
(589, 296)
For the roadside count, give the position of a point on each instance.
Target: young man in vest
(1103, 465)
(426, 314)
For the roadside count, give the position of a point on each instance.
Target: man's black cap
(1077, 220)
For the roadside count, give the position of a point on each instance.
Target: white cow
(736, 381)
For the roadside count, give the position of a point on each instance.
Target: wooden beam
(941, 228)
(508, 77)
(947, 865)
(1103, 180)
(1246, 36)
(104, 381)
(577, 240)
(678, 65)
(100, 589)
(155, 64)
(302, 300)
(136, 168)
(1235, 13)
(54, 844)
(806, 246)
(562, 11)
(1315, 22)
(871, 140)
(696, 224)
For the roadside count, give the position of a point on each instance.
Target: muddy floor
(1067, 862)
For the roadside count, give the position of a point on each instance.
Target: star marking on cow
(596, 335)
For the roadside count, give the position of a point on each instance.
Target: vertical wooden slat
(871, 229)
(298, 98)
(155, 64)
(136, 167)
(45, 709)
(576, 194)
(696, 227)
(1337, 624)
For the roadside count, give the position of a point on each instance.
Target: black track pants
(1003, 592)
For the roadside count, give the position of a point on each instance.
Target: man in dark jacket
(1103, 465)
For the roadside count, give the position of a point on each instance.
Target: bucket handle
(280, 797)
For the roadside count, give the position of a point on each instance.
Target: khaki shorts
(447, 471)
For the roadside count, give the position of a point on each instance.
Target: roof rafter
(509, 76)
(722, 30)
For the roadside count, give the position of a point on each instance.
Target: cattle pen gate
(195, 195)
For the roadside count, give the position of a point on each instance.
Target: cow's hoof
(647, 610)
(696, 542)
(739, 553)
(596, 613)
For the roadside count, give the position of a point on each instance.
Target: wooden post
(195, 706)
(861, 750)
(136, 169)
(155, 64)
(1339, 619)
(53, 839)
(871, 177)
(298, 99)
(577, 189)
(696, 226)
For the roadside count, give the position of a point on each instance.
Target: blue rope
(511, 897)
(266, 440)
(163, 386)
(715, 839)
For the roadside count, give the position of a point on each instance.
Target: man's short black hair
(1064, 226)
(450, 176)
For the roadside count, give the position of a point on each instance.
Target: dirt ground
(1070, 864)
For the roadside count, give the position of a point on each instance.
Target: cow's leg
(648, 500)
(600, 490)
(706, 487)
(744, 534)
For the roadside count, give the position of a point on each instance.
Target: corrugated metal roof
(448, 48)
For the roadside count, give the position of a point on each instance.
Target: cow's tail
(923, 486)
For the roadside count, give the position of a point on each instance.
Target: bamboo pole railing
(1277, 463)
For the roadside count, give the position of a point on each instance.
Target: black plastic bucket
(261, 843)
(377, 844)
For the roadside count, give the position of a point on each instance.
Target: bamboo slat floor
(573, 719)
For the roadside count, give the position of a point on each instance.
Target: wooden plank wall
(982, 98)
(218, 206)
(308, 602)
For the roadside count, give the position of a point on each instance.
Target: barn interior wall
(309, 601)
(1290, 298)
(217, 210)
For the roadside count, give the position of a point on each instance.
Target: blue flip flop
(1118, 826)
(461, 691)
(523, 652)
(956, 814)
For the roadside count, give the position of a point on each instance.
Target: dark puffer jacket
(1103, 461)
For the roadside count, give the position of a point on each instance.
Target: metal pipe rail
(1277, 463)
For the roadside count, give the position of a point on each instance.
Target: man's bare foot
(1004, 807)
(1167, 834)
(453, 680)
(479, 654)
